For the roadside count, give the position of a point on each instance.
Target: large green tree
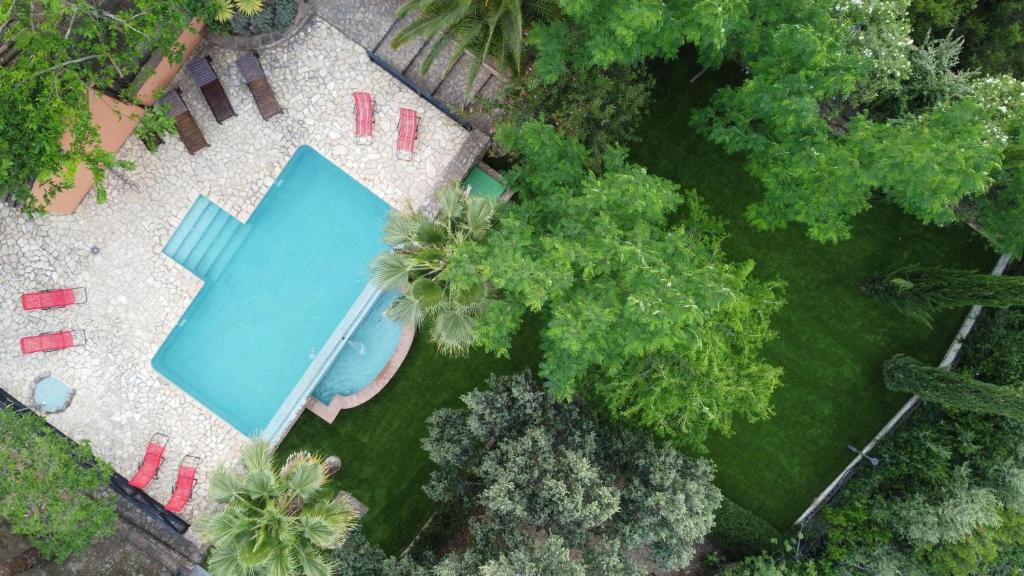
(951, 389)
(50, 488)
(603, 33)
(919, 291)
(277, 521)
(552, 491)
(51, 53)
(839, 105)
(645, 316)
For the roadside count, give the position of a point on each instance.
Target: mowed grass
(832, 339)
(383, 463)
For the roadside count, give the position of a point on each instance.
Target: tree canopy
(552, 491)
(646, 316)
(49, 487)
(51, 53)
(816, 120)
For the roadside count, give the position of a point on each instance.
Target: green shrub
(277, 15)
(739, 532)
(995, 350)
(154, 125)
(48, 487)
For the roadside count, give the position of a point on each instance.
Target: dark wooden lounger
(256, 79)
(191, 136)
(213, 91)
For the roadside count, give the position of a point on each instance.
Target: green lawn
(379, 442)
(832, 340)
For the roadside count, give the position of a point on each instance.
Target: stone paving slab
(364, 21)
(136, 294)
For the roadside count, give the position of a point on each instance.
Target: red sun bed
(51, 341)
(183, 485)
(364, 117)
(47, 299)
(150, 462)
(406, 133)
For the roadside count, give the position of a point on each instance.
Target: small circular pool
(52, 395)
(364, 355)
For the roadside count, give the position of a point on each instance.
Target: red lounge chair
(151, 461)
(183, 486)
(52, 341)
(364, 117)
(406, 133)
(47, 299)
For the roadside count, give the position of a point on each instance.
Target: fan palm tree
(277, 521)
(484, 27)
(417, 264)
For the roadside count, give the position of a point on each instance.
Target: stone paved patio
(136, 294)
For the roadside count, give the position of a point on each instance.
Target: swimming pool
(252, 343)
(365, 354)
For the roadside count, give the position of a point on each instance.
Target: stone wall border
(306, 10)
(948, 362)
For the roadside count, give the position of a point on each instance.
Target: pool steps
(206, 239)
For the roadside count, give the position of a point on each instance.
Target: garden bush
(276, 15)
(50, 487)
(994, 352)
(739, 532)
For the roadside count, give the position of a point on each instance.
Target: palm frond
(306, 478)
(407, 311)
(263, 484)
(223, 561)
(479, 216)
(281, 562)
(401, 228)
(450, 198)
(313, 563)
(225, 485)
(257, 455)
(452, 330)
(390, 271)
(248, 7)
(428, 293)
(432, 234)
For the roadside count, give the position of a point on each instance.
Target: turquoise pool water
(364, 355)
(248, 345)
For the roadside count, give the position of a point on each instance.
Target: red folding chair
(150, 464)
(52, 341)
(182, 492)
(364, 117)
(407, 127)
(47, 299)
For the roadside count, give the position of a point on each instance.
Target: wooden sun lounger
(191, 136)
(256, 79)
(208, 81)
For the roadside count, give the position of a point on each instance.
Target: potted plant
(155, 123)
